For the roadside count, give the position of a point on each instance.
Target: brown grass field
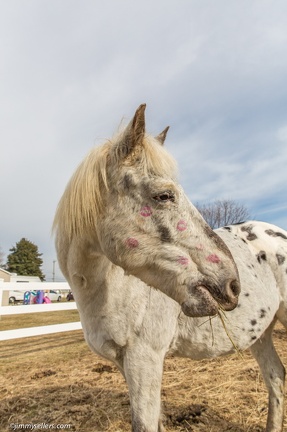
(56, 379)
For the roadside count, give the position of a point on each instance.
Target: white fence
(23, 309)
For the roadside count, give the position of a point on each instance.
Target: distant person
(46, 299)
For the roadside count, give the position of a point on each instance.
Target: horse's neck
(88, 270)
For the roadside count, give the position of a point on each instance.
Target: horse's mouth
(206, 297)
(201, 303)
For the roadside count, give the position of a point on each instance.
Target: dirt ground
(57, 380)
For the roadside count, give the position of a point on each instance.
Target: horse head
(125, 194)
(151, 229)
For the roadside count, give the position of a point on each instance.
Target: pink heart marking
(132, 242)
(146, 211)
(181, 225)
(213, 258)
(183, 260)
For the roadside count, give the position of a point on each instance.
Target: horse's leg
(273, 373)
(143, 368)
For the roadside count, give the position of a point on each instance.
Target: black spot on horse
(251, 236)
(246, 294)
(227, 228)
(276, 234)
(253, 322)
(263, 313)
(261, 256)
(128, 181)
(244, 240)
(165, 234)
(280, 259)
(253, 338)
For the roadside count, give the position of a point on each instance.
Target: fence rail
(35, 308)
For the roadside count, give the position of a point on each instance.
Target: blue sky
(71, 70)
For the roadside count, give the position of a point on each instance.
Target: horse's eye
(164, 196)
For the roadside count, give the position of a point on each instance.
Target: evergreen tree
(25, 259)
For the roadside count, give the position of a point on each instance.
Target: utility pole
(54, 262)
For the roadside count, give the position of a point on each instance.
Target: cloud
(72, 70)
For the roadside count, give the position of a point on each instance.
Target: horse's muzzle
(205, 299)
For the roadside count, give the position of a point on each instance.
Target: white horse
(144, 268)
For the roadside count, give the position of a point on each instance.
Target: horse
(145, 269)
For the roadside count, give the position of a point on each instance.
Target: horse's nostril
(235, 287)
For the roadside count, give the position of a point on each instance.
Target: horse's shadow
(201, 418)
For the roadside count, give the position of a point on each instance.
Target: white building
(13, 277)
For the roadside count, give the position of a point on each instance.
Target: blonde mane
(83, 199)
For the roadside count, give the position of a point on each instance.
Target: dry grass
(56, 379)
(11, 322)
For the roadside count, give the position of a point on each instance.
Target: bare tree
(223, 212)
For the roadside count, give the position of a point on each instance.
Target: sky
(72, 70)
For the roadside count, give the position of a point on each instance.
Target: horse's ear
(134, 132)
(161, 137)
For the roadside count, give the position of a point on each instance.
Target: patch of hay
(56, 379)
